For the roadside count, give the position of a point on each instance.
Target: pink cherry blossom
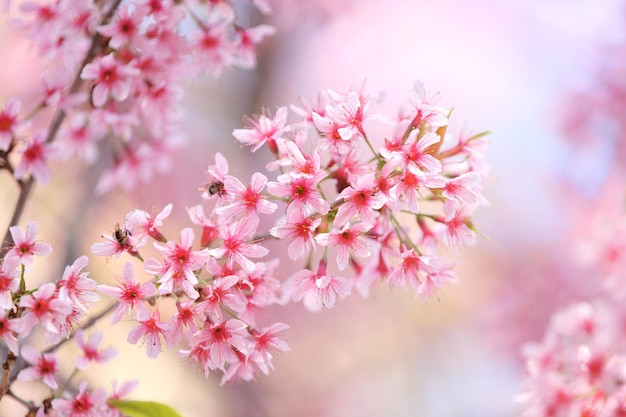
(221, 340)
(150, 330)
(413, 268)
(34, 156)
(264, 130)
(224, 292)
(267, 342)
(299, 230)
(245, 200)
(110, 77)
(316, 289)
(362, 200)
(76, 287)
(129, 295)
(124, 27)
(91, 351)
(236, 246)
(9, 122)
(43, 307)
(177, 268)
(349, 239)
(301, 191)
(43, 367)
(9, 281)
(84, 403)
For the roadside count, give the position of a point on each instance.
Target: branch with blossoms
(353, 208)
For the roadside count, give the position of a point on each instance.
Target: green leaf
(143, 408)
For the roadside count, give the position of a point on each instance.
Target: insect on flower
(121, 236)
(216, 187)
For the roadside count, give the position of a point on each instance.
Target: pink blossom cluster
(579, 368)
(350, 215)
(113, 73)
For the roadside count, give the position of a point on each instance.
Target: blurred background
(507, 66)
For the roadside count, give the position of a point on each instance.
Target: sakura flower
(299, 229)
(84, 403)
(363, 200)
(212, 44)
(266, 344)
(347, 239)
(34, 157)
(246, 44)
(463, 190)
(263, 130)
(316, 289)
(302, 192)
(43, 367)
(246, 201)
(150, 330)
(42, 307)
(9, 122)
(180, 261)
(144, 224)
(240, 369)
(91, 351)
(224, 292)
(124, 27)
(8, 331)
(412, 268)
(120, 241)
(109, 76)
(130, 295)
(236, 247)
(350, 114)
(210, 225)
(424, 110)
(189, 314)
(75, 287)
(222, 340)
(9, 281)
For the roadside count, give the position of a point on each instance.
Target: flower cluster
(579, 368)
(350, 207)
(350, 214)
(113, 72)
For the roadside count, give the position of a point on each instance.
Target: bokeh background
(507, 66)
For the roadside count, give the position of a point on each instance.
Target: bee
(216, 187)
(121, 236)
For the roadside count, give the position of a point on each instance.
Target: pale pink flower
(84, 403)
(423, 109)
(120, 241)
(223, 292)
(110, 77)
(180, 260)
(144, 224)
(299, 229)
(245, 201)
(210, 225)
(221, 340)
(407, 190)
(236, 246)
(189, 315)
(266, 343)
(413, 268)
(361, 199)
(79, 138)
(9, 281)
(150, 330)
(264, 129)
(461, 191)
(349, 239)
(246, 43)
(239, 369)
(213, 44)
(42, 307)
(8, 331)
(316, 289)
(9, 122)
(43, 367)
(34, 156)
(130, 295)
(302, 192)
(75, 287)
(124, 27)
(91, 351)
(350, 114)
